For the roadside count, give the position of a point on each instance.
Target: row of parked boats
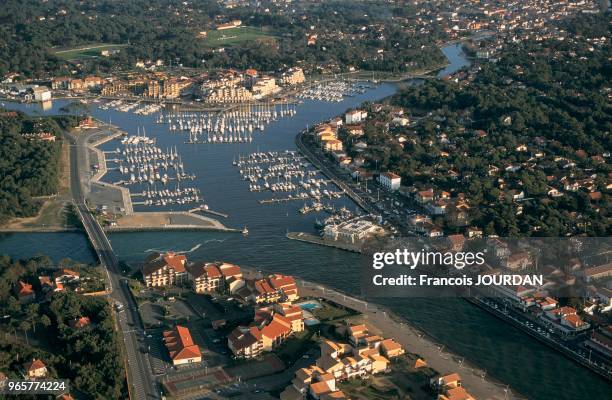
(333, 91)
(136, 107)
(283, 172)
(235, 125)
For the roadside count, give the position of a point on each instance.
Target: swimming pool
(310, 305)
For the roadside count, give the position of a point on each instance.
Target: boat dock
(206, 210)
(309, 238)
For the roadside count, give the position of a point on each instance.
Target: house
(245, 342)
(36, 369)
(276, 332)
(333, 145)
(79, 322)
(424, 196)
(65, 275)
(164, 270)
(180, 345)
(293, 314)
(379, 363)
(357, 334)
(390, 181)
(355, 116)
(264, 292)
(447, 382)
(206, 277)
(458, 393)
(391, 349)
(286, 285)
(24, 292)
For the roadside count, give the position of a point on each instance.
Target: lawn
(86, 51)
(295, 346)
(404, 381)
(329, 312)
(234, 36)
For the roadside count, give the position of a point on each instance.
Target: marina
(333, 91)
(286, 172)
(266, 246)
(234, 125)
(156, 174)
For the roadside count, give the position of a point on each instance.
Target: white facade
(390, 181)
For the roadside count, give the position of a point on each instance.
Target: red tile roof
(278, 327)
(34, 365)
(180, 345)
(175, 261)
(23, 289)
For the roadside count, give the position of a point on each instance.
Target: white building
(390, 181)
(355, 116)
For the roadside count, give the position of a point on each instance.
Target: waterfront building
(60, 83)
(355, 116)
(228, 94)
(391, 349)
(390, 181)
(205, 277)
(264, 292)
(41, 93)
(164, 270)
(293, 76)
(264, 86)
(353, 231)
(180, 346)
(286, 285)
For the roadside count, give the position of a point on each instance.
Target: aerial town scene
(305, 199)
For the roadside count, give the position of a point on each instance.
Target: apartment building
(164, 270)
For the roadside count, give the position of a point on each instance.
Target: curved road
(141, 382)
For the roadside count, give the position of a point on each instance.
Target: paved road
(140, 381)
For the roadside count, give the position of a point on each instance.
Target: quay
(306, 152)
(206, 210)
(555, 345)
(309, 238)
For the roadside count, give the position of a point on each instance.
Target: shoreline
(413, 339)
(417, 341)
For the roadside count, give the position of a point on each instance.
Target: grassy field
(234, 36)
(87, 51)
(329, 312)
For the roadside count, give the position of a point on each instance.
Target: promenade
(474, 379)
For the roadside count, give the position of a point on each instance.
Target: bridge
(141, 383)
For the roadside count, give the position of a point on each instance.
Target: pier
(308, 238)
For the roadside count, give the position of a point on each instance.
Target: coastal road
(141, 383)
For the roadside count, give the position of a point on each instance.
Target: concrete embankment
(160, 221)
(308, 238)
